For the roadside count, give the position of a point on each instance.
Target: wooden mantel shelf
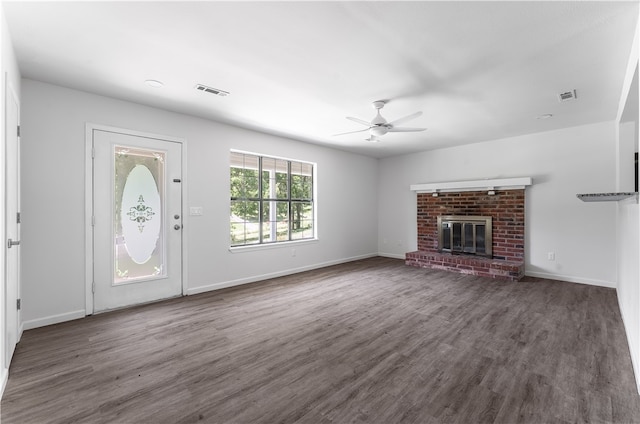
(474, 185)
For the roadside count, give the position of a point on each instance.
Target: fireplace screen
(469, 235)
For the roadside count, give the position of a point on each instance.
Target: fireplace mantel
(473, 185)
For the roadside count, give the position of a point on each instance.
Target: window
(271, 200)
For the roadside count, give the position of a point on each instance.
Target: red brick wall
(506, 208)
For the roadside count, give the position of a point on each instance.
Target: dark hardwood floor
(372, 341)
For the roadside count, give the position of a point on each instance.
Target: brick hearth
(506, 207)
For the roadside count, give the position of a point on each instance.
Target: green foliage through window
(271, 200)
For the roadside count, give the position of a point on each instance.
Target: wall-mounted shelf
(473, 185)
(606, 197)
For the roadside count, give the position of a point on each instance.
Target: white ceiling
(478, 70)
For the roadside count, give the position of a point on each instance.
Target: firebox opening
(466, 235)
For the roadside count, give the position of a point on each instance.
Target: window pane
(274, 178)
(282, 185)
(301, 180)
(244, 222)
(236, 182)
(249, 189)
(275, 221)
(301, 220)
(244, 176)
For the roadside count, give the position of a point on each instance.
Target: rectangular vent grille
(567, 96)
(212, 90)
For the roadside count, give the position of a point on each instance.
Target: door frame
(89, 129)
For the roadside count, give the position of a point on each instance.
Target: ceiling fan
(379, 126)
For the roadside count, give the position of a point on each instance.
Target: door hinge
(93, 220)
(93, 287)
(19, 304)
(18, 132)
(18, 217)
(93, 153)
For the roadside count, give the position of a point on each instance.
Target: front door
(137, 219)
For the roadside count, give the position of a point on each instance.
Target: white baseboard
(4, 377)
(53, 319)
(255, 278)
(392, 255)
(570, 279)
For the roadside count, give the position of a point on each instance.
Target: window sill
(280, 245)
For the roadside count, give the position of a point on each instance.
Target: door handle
(11, 243)
(177, 227)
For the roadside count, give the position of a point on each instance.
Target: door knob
(176, 227)
(11, 243)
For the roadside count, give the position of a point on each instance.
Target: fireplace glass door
(465, 235)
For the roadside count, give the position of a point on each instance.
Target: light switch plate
(195, 210)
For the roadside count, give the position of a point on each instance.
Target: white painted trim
(275, 245)
(54, 319)
(185, 216)
(571, 279)
(392, 255)
(253, 279)
(89, 128)
(473, 185)
(88, 214)
(4, 378)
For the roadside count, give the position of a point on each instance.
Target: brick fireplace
(506, 208)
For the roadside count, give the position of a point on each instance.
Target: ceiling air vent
(567, 96)
(212, 90)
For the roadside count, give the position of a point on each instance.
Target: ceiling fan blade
(406, 118)
(351, 132)
(405, 129)
(359, 121)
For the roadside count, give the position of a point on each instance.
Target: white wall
(10, 75)
(53, 203)
(562, 164)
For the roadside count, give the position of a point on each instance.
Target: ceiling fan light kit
(379, 125)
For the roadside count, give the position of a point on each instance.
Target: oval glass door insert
(138, 218)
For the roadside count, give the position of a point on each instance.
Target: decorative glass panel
(138, 219)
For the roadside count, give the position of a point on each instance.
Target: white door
(137, 210)
(12, 221)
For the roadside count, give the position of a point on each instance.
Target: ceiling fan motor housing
(378, 130)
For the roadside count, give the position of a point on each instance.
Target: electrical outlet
(551, 256)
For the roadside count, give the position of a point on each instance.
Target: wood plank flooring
(372, 341)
